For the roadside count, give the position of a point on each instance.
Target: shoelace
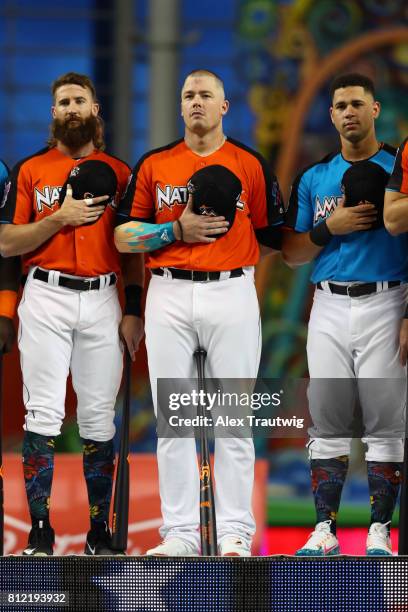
(378, 536)
(320, 533)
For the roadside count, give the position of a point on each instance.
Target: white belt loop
(103, 281)
(225, 274)
(380, 286)
(166, 273)
(53, 277)
(325, 286)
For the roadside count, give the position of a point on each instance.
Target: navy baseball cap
(90, 179)
(216, 191)
(366, 180)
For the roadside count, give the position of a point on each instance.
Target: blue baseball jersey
(4, 172)
(366, 256)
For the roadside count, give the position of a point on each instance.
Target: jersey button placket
(80, 248)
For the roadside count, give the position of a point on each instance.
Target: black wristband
(406, 313)
(133, 303)
(320, 235)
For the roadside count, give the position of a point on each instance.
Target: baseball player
(359, 301)
(201, 293)
(9, 281)
(69, 313)
(396, 219)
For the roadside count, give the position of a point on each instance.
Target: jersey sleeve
(299, 214)
(4, 172)
(137, 202)
(123, 174)
(17, 200)
(399, 177)
(266, 205)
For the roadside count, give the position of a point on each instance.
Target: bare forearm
(298, 249)
(21, 239)
(396, 212)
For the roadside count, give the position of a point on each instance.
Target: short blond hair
(204, 72)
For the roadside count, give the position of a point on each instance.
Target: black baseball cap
(216, 191)
(90, 179)
(366, 180)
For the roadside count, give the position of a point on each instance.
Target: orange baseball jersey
(158, 193)
(399, 177)
(33, 193)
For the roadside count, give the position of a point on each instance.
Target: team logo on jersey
(324, 209)
(171, 196)
(74, 171)
(240, 202)
(277, 197)
(48, 197)
(5, 194)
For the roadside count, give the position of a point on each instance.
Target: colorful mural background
(277, 59)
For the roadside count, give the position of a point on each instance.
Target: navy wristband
(320, 235)
(133, 303)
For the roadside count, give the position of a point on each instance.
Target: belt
(196, 275)
(78, 284)
(360, 289)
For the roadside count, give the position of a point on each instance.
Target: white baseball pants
(60, 330)
(223, 318)
(357, 338)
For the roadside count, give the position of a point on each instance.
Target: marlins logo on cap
(216, 191)
(90, 179)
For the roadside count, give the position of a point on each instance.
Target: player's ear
(95, 108)
(224, 107)
(376, 109)
(53, 112)
(331, 114)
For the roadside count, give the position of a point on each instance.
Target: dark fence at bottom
(142, 584)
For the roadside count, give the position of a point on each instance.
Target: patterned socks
(99, 463)
(384, 481)
(38, 466)
(328, 476)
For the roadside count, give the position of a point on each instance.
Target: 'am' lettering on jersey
(324, 209)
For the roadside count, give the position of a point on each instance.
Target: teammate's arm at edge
(395, 212)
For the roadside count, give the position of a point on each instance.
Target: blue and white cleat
(378, 540)
(321, 542)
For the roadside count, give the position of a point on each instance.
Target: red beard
(75, 132)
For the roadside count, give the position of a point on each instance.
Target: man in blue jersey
(9, 281)
(360, 273)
